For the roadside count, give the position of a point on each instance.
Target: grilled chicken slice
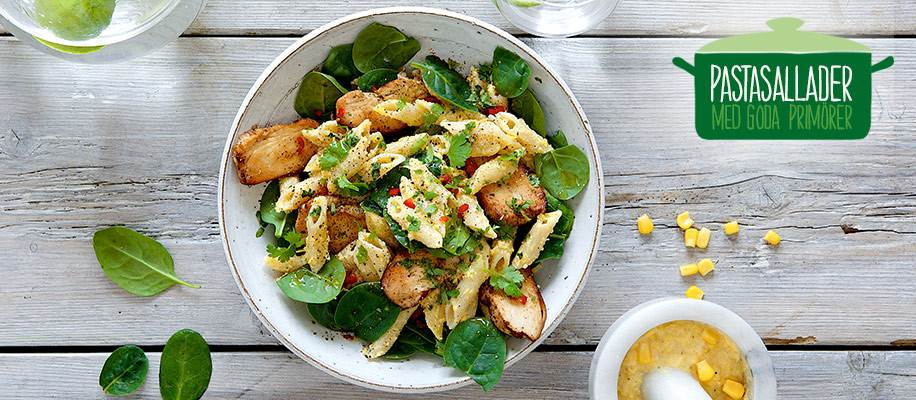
(407, 279)
(345, 221)
(404, 89)
(521, 317)
(264, 154)
(356, 106)
(514, 201)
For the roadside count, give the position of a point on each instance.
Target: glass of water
(556, 18)
(98, 31)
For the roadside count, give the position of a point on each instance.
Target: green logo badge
(784, 84)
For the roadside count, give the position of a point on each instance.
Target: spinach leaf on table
(476, 348)
(382, 46)
(376, 78)
(339, 63)
(563, 172)
(366, 311)
(444, 83)
(309, 287)
(185, 366)
(529, 109)
(317, 95)
(124, 371)
(510, 73)
(136, 263)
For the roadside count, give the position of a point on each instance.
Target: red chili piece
(494, 110)
(409, 203)
(394, 191)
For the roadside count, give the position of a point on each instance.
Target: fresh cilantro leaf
(518, 207)
(337, 151)
(452, 293)
(284, 253)
(351, 189)
(508, 280)
(514, 156)
(414, 224)
(459, 148)
(431, 116)
(534, 180)
(361, 254)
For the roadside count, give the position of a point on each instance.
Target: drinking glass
(556, 18)
(98, 31)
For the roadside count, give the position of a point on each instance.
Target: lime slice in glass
(525, 3)
(69, 49)
(75, 19)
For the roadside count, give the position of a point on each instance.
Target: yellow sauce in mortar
(682, 344)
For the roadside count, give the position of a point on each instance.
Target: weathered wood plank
(806, 375)
(631, 18)
(83, 147)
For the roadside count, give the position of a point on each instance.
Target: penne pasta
(531, 247)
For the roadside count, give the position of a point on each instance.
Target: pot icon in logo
(783, 84)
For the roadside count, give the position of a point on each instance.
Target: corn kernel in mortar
(772, 238)
(703, 238)
(705, 373)
(689, 269)
(644, 224)
(684, 221)
(733, 389)
(690, 237)
(731, 228)
(705, 266)
(694, 292)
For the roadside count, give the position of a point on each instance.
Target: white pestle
(672, 384)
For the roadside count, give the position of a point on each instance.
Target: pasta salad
(410, 204)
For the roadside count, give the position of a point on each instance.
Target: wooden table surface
(84, 147)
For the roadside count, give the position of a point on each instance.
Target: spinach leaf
(339, 63)
(124, 371)
(323, 314)
(317, 95)
(308, 287)
(400, 351)
(444, 83)
(510, 73)
(478, 349)
(557, 140)
(136, 263)
(421, 339)
(459, 148)
(185, 366)
(382, 46)
(366, 311)
(458, 240)
(267, 214)
(376, 78)
(351, 189)
(553, 248)
(563, 171)
(529, 109)
(378, 201)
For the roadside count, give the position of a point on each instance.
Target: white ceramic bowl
(448, 35)
(633, 324)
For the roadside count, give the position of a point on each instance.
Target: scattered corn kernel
(731, 228)
(690, 237)
(643, 354)
(644, 224)
(694, 292)
(689, 269)
(733, 389)
(703, 238)
(772, 238)
(710, 337)
(705, 266)
(705, 371)
(684, 221)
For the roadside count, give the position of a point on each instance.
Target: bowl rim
(632, 325)
(283, 58)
